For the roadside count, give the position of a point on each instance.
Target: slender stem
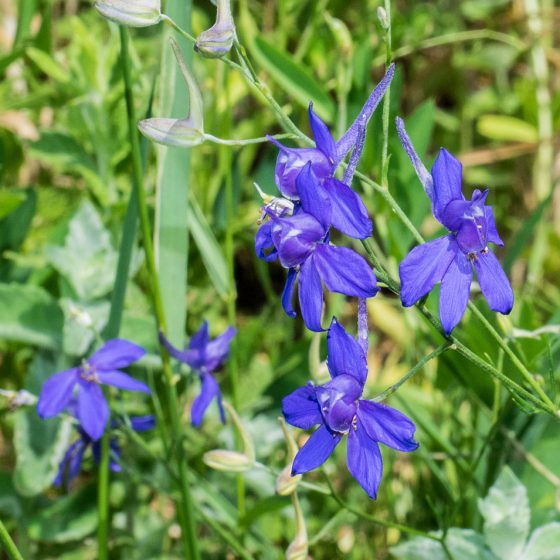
(386, 101)
(8, 544)
(244, 142)
(185, 511)
(437, 352)
(103, 499)
(180, 30)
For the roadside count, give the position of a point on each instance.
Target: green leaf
(48, 65)
(463, 544)
(87, 259)
(208, 247)
(544, 543)
(72, 517)
(506, 516)
(9, 201)
(292, 77)
(30, 315)
(504, 127)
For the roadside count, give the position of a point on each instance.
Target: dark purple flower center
(338, 401)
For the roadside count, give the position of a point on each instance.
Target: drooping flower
(450, 259)
(338, 409)
(301, 244)
(204, 356)
(71, 463)
(103, 368)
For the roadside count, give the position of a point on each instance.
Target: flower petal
(209, 390)
(264, 243)
(493, 282)
(313, 197)
(349, 214)
(93, 411)
(189, 357)
(301, 408)
(364, 461)
(423, 174)
(288, 293)
(387, 425)
(454, 292)
(116, 354)
(142, 423)
(56, 393)
(424, 266)
(344, 271)
(345, 355)
(322, 135)
(447, 174)
(121, 380)
(492, 232)
(217, 350)
(316, 451)
(310, 295)
(199, 340)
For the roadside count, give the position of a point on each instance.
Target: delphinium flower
(84, 382)
(71, 464)
(204, 356)
(449, 259)
(347, 212)
(338, 409)
(301, 244)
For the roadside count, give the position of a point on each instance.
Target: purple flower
(101, 369)
(204, 356)
(338, 409)
(302, 245)
(450, 259)
(72, 462)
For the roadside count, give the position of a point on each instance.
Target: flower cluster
(295, 230)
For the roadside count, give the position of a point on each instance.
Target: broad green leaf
(292, 77)
(30, 315)
(463, 544)
(48, 65)
(208, 247)
(506, 516)
(9, 201)
(544, 543)
(69, 518)
(87, 259)
(504, 127)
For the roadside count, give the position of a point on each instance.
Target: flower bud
(184, 132)
(382, 17)
(227, 461)
(285, 482)
(132, 13)
(218, 40)
(17, 399)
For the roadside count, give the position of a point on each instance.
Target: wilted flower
(72, 462)
(301, 244)
(449, 259)
(204, 356)
(218, 40)
(101, 369)
(132, 13)
(338, 409)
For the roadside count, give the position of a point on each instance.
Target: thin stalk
(233, 370)
(8, 544)
(386, 100)
(103, 499)
(244, 142)
(185, 511)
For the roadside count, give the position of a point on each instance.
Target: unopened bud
(132, 13)
(218, 40)
(341, 33)
(228, 461)
(285, 482)
(17, 399)
(382, 17)
(184, 132)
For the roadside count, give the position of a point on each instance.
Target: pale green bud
(382, 17)
(218, 40)
(228, 461)
(285, 482)
(132, 13)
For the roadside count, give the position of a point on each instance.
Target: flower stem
(103, 499)
(386, 101)
(185, 513)
(8, 544)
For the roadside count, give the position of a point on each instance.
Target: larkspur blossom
(301, 244)
(71, 463)
(84, 381)
(204, 356)
(449, 259)
(338, 409)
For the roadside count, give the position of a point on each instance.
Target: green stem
(244, 142)
(8, 544)
(103, 499)
(437, 352)
(185, 511)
